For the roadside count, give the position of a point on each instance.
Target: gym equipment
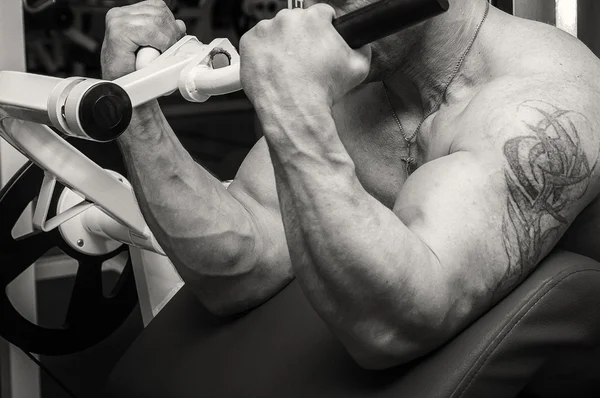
(284, 349)
(96, 211)
(91, 315)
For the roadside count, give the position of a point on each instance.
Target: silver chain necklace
(409, 160)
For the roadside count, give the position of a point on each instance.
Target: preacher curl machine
(83, 203)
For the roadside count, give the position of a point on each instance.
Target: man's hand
(299, 58)
(146, 24)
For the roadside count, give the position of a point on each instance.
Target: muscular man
(408, 185)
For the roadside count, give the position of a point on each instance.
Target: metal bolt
(80, 242)
(219, 58)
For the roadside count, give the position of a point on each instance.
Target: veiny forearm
(204, 230)
(364, 271)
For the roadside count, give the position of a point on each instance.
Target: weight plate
(91, 315)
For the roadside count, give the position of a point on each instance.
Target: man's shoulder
(553, 108)
(539, 60)
(531, 47)
(508, 99)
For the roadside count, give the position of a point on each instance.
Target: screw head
(219, 58)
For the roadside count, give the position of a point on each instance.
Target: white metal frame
(19, 376)
(566, 16)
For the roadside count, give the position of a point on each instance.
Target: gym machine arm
(101, 110)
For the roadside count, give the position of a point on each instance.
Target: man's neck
(426, 69)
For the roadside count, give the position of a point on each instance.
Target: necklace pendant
(410, 164)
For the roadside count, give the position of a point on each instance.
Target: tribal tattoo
(547, 172)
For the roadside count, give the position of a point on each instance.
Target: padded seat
(283, 349)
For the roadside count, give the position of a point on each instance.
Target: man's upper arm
(494, 208)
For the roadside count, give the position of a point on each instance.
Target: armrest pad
(557, 309)
(283, 349)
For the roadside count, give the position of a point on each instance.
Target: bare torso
(373, 139)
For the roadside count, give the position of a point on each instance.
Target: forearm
(204, 230)
(364, 271)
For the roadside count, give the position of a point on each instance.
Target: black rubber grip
(384, 18)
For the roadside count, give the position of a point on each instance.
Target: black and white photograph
(299, 199)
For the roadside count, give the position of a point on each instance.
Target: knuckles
(157, 3)
(321, 10)
(315, 18)
(262, 26)
(112, 15)
(150, 26)
(150, 21)
(160, 17)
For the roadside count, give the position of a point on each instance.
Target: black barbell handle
(384, 18)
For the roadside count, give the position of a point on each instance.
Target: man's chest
(380, 150)
(378, 162)
(383, 157)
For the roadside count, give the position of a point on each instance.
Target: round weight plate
(91, 315)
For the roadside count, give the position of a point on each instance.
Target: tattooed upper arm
(548, 172)
(494, 208)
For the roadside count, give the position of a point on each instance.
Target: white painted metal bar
(44, 147)
(566, 16)
(19, 376)
(161, 76)
(295, 4)
(158, 79)
(25, 96)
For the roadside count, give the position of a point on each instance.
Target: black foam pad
(273, 348)
(283, 349)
